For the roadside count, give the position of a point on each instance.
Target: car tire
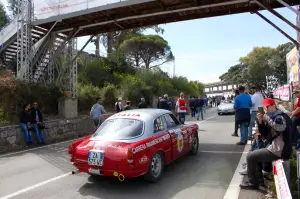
(219, 113)
(195, 145)
(155, 168)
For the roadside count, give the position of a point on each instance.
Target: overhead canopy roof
(138, 13)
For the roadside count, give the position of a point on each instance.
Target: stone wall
(12, 137)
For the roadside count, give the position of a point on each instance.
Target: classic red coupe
(134, 143)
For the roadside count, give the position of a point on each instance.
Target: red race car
(134, 143)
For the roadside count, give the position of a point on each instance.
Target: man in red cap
(275, 126)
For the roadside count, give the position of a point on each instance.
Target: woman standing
(181, 108)
(25, 123)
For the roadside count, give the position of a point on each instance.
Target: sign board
(282, 186)
(283, 93)
(292, 63)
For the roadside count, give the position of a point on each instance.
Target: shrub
(109, 95)
(17, 93)
(87, 94)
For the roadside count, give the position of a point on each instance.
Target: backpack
(286, 136)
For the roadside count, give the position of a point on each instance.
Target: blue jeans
(39, 133)
(244, 132)
(252, 122)
(27, 134)
(295, 132)
(181, 117)
(199, 111)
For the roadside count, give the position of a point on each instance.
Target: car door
(161, 138)
(179, 144)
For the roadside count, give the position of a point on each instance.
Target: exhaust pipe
(76, 171)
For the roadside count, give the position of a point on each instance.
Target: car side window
(174, 119)
(158, 125)
(170, 121)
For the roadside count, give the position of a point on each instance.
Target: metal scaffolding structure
(24, 39)
(72, 65)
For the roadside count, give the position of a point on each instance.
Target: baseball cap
(297, 90)
(268, 102)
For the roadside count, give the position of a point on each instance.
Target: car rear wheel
(156, 168)
(195, 145)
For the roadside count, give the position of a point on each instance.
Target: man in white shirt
(257, 100)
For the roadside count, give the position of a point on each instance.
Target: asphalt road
(45, 172)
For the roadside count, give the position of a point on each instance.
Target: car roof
(141, 114)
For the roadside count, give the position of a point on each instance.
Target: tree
(112, 41)
(4, 18)
(261, 66)
(13, 7)
(147, 51)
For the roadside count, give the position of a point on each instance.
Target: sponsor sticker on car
(151, 143)
(143, 160)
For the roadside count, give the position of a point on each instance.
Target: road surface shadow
(193, 176)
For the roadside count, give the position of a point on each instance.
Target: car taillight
(130, 155)
(70, 150)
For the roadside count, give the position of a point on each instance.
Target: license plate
(95, 158)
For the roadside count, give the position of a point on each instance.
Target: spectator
(295, 115)
(37, 122)
(25, 123)
(165, 103)
(275, 126)
(192, 106)
(199, 104)
(128, 106)
(118, 105)
(143, 104)
(205, 104)
(181, 108)
(257, 100)
(242, 106)
(236, 125)
(97, 112)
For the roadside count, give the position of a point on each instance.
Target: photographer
(276, 127)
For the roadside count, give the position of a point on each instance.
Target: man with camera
(275, 126)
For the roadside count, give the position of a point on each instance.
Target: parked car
(225, 108)
(134, 143)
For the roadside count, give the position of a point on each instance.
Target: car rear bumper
(225, 112)
(94, 170)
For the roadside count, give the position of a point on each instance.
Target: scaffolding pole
(72, 48)
(24, 39)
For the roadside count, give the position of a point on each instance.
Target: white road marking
(233, 190)
(226, 152)
(37, 148)
(35, 186)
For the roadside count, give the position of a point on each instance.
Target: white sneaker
(244, 172)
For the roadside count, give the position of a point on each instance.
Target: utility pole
(173, 68)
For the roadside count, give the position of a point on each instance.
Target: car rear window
(119, 129)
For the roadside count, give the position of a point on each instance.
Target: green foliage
(147, 50)
(259, 63)
(109, 95)
(87, 94)
(18, 93)
(4, 18)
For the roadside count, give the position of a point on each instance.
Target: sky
(204, 49)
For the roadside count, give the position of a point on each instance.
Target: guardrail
(281, 182)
